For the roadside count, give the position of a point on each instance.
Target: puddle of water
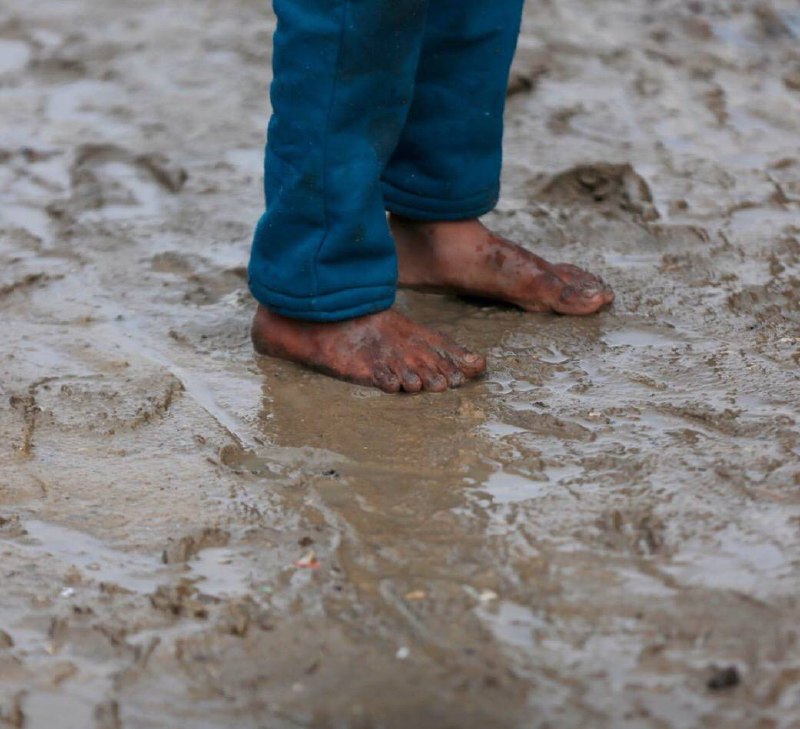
(497, 430)
(34, 220)
(793, 21)
(735, 563)
(639, 337)
(554, 356)
(222, 572)
(512, 624)
(131, 571)
(41, 709)
(510, 488)
(14, 55)
(564, 473)
(506, 385)
(500, 384)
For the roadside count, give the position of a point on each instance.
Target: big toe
(577, 277)
(580, 292)
(581, 301)
(470, 363)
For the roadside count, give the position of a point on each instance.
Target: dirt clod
(614, 189)
(723, 679)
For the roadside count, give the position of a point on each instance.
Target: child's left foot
(464, 257)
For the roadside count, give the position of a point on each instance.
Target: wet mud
(605, 532)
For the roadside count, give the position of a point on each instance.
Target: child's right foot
(385, 350)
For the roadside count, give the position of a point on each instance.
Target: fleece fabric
(376, 105)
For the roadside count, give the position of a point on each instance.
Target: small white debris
(403, 653)
(67, 592)
(488, 596)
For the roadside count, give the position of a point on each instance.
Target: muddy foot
(464, 257)
(385, 350)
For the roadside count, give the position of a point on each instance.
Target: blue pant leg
(344, 73)
(447, 163)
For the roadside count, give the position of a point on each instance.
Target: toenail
(412, 380)
(471, 358)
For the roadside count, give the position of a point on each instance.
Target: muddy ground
(604, 533)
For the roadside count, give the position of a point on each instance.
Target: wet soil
(605, 532)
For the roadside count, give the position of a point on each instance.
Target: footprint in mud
(611, 189)
(100, 404)
(120, 182)
(205, 282)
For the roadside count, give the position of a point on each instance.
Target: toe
(453, 375)
(568, 289)
(573, 274)
(577, 277)
(580, 301)
(469, 363)
(549, 292)
(432, 379)
(385, 379)
(411, 381)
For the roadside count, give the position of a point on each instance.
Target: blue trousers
(377, 105)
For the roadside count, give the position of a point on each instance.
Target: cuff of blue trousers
(418, 207)
(335, 306)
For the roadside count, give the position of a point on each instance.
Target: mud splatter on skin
(386, 350)
(598, 534)
(465, 258)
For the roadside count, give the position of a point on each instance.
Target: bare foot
(464, 257)
(385, 350)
